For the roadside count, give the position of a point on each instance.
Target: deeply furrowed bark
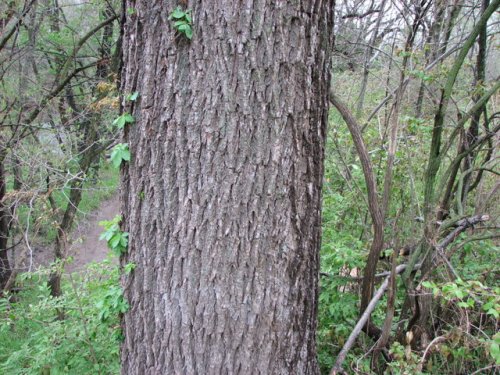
(222, 195)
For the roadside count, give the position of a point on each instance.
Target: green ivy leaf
(122, 120)
(182, 22)
(119, 122)
(427, 284)
(119, 154)
(495, 349)
(116, 239)
(177, 14)
(129, 267)
(133, 97)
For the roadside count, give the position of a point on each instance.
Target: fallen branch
(337, 368)
(380, 275)
(460, 226)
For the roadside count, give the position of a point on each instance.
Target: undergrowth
(86, 341)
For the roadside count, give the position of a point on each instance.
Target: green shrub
(86, 341)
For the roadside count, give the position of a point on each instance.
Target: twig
(434, 342)
(484, 369)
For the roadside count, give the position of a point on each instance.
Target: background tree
(425, 218)
(57, 89)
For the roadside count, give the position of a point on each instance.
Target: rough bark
(222, 195)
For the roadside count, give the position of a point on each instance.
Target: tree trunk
(5, 268)
(222, 195)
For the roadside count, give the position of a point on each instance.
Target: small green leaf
(124, 239)
(493, 312)
(133, 97)
(119, 154)
(129, 267)
(182, 22)
(129, 119)
(177, 14)
(125, 118)
(428, 284)
(115, 240)
(495, 350)
(119, 122)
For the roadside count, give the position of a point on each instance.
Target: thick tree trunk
(222, 195)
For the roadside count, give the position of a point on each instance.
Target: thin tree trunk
(5, 269)
(222, 195)
(421, 317)
(473, 131)
(89, 150)
(366, 65)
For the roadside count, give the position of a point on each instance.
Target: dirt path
(87, 247)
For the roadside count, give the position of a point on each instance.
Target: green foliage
(124, 118)
(116, 239)
(347, 238)
(405, 361)
(128, 268)
(494, 348)
(421, 74)
(111, 304)
(182, 22)
(416, 126)
(119, 154)
(467, 294)
(133, 97)
(86, 341)
(341, 253)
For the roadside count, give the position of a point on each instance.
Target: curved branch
(373, 204)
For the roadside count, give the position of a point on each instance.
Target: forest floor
(85, 245)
